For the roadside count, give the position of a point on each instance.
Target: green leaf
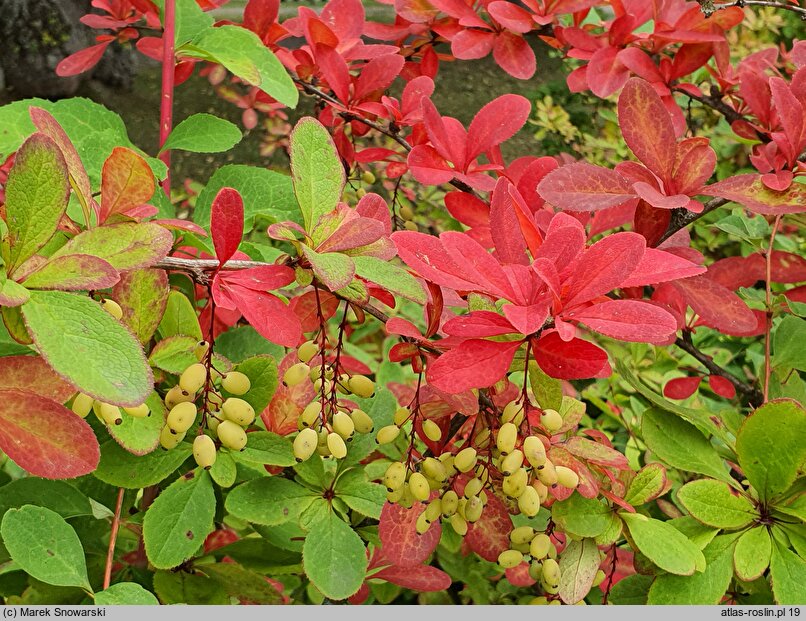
(334, 557)
(120, 468)
(770, 446)
(58, 496)
(355, 489)
(224, 471)
(125, 594)
(333, 269)
(37, 191)
(787, 344)
(391, 277)
(712, 503)
(190, 19)
(73, 272)
(126, 246)
(586, 517)
(13, 294)
(266, 447)
(316, 170)
(266, 193)
(646, 485)
(68, 328)
(751, 557)
(141, 435)
(258, 554)
(662, 544)
(268, 500)
(547, 390)
(630, 591)
(243, 584)
(706, 587)
(242, 52)
(788, 573)
(180, 318)
(680, 444)
(45, 546)
(381, 408)
(579, 563)
(179, 587)
(203, 133)
(242, 342)
(174, 354)
(262, 374)
(143, 296)
(179, 520)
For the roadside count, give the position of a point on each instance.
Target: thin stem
(769, 313)
(749, 391)
(113, 537)
(167, 94)
(709, 7)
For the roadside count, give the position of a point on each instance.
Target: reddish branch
(113, 537)
(748, 390)
(709, 7)
(167, 93)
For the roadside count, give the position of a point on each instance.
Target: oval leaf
(203, 133)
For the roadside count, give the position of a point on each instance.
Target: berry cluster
(106, 412)
(329, 421)
(504, 459)
(225, 416)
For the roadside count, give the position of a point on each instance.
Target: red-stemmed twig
(113, 537)
(167, 92)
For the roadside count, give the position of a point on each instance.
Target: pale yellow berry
(236, 383)
(432, 430)
(434, 469)
(204, 451)
(551, 420)
(506, 437)
(401, 416)
(362, 421)
(551, 572)
(176, 395)
(433, 510)
(296, 374)
(238, 411)
(422, 524)
(515, 484)
(336, 445)
(465, 460)
(231, 435)
(540, 546)
(181, 417)
(343, 425)
(305, 444)
(566, 477)
(511, 412)
(395, 476)
(521, 534)
(361, 386)
(311, 414)
(307, 350)
(534, 451)
(419, 487)
(510, 558)
(82, 404)
(193, 378)
(529, 501)
(511, 462)
(113, 308)
(547, 474)
(473, 509)
(472, 488)
(201, 349)
(459, 524)
(140, 411)
(387, 434)
(169, 439)
(110, 414)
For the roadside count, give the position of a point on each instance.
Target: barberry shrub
(407, 368)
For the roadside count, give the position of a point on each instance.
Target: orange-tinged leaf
(398, 532)
(44, 437)
(750, 191)
(32, 373)
(126, 182)
(73, 272)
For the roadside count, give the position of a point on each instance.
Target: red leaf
(722, 386)
(226, 223)
(647, 128)
(584, 187)
(787, 267)
(261, 278)
(650, 222)
(496, 122)
(681, 387)
(510, 246)
(475, 363)
(268, 315)
(605, 266)
(657, 266)
(82, 60)
(519, 576)
(527, 319)
(628, 320)
(259, 15)
(44, 437)
(401, 544)
(489, 536)
(574, 359)
(126, 182)
(695, 164)
(717, 306)
(514, 55)
(510, 16)
(657, 199)
(32, 373)
(750, 191)
(377, 74)
(474, 259)
(428, 167)
(606, 74)
(423, 578)
(476, 325)
(334, 69)
(426, 255)
(472, 44)
(588, 485)
(790, 113)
